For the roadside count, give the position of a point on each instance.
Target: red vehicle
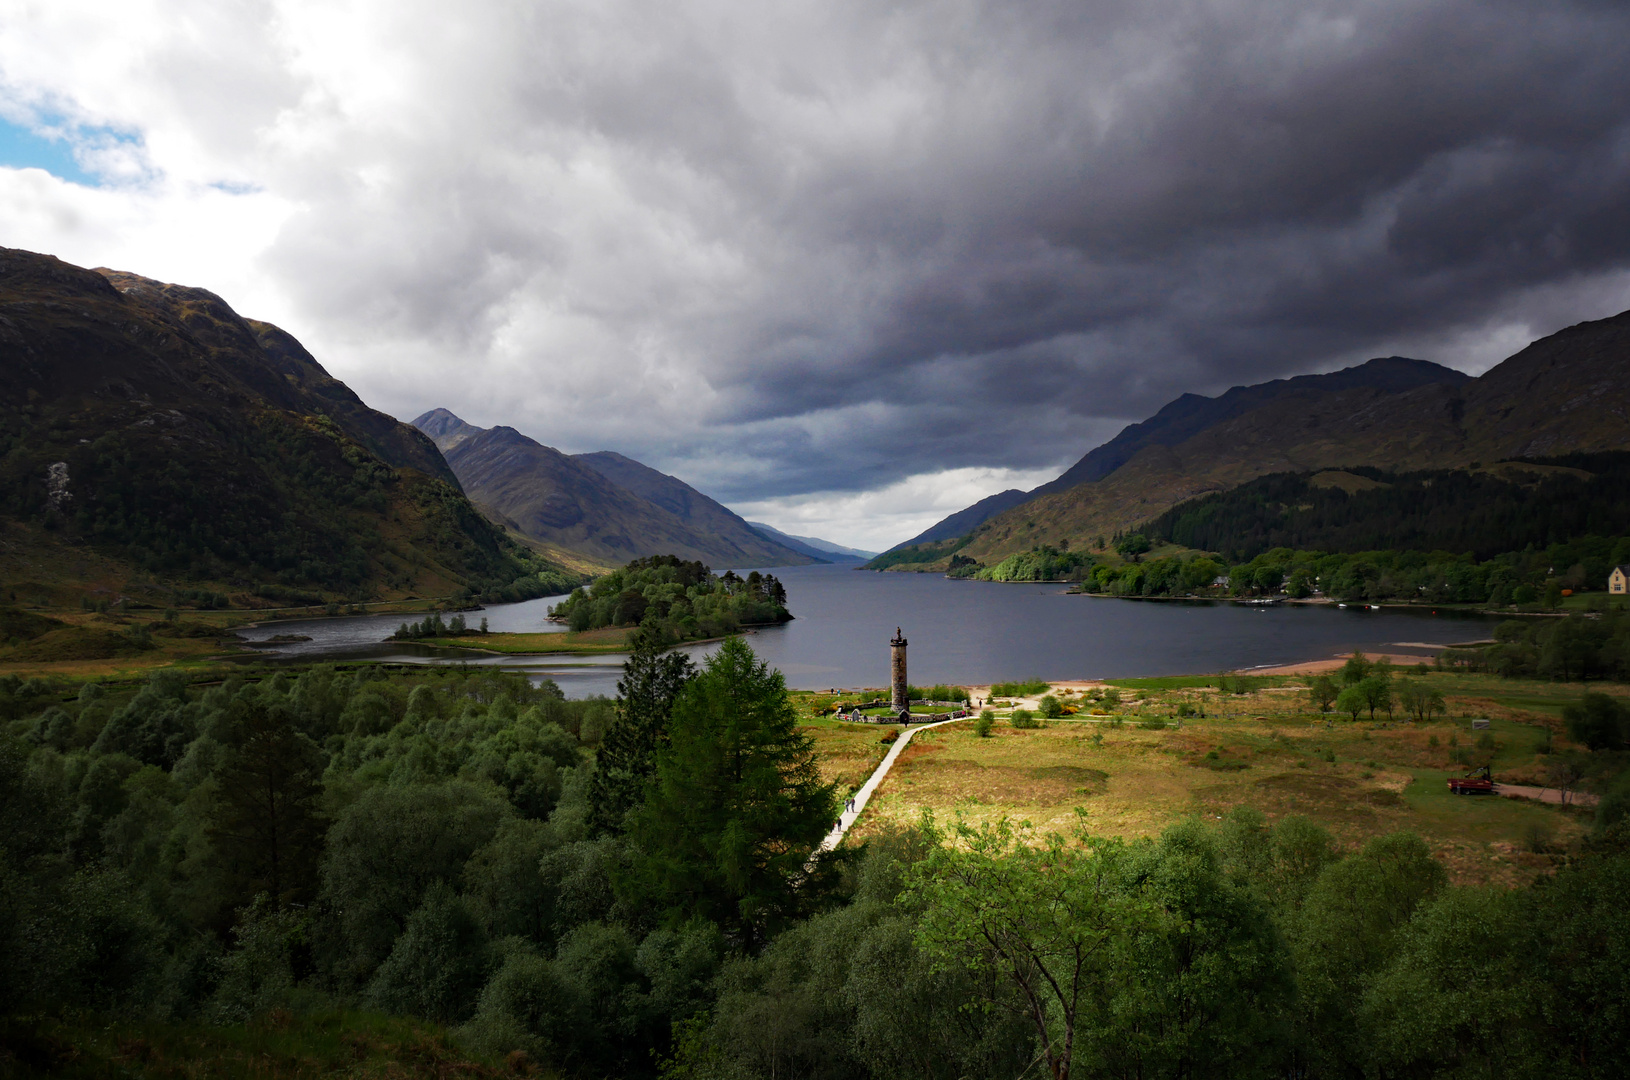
(1476, 782)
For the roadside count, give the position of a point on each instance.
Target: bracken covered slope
(152, 439)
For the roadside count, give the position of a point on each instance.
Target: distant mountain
(814, 546)
(445, 429)
(1565, 393)
(1186, 417)
(603, 506)
(726, 529)
(965, 521)
(152, 439)
(1189, 415)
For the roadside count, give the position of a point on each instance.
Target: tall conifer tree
(626, 760)
(267, 823)
(731, 824)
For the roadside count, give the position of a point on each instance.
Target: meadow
(1136, 766)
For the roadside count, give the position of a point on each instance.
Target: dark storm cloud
(825, 246)
(1027, 221)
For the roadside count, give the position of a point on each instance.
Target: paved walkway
(863, 796)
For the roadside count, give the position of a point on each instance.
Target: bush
(437, 966)
(938, 692)
(982, 726)
(1022, 718)
(1050, 709)
(1026, 688)
(1598, 721)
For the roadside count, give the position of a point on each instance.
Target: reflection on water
(960, 632)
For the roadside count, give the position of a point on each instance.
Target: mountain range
(602, 507)
(155, 444)
(1565, 393)
(813, 545)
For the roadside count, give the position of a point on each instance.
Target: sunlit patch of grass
(1165, 682)
(848, 753)
(1263, 749)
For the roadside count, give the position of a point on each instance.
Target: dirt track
(1546, 795)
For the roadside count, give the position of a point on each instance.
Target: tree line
(1533, 578)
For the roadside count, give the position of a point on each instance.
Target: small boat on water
(1262, 601)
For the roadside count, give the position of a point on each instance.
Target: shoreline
(1424, 652)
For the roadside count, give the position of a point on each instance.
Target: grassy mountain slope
(965, 521)
(724, 527)
(1565, 393)
(1191, 414)
(150, 438)
(558, 500)
(604, 508)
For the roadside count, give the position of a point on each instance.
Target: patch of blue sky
(53, 148)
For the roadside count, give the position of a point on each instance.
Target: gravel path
(1545, 794)
(864, 795)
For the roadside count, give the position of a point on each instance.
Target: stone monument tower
(899, 699)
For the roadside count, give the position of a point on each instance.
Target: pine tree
(626, 759)
(738, 807)
(267, 826)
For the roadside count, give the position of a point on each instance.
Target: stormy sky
(845, 266)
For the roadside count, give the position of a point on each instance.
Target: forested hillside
(152, 440)
(1484, 511)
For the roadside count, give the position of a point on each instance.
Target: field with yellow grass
(1137, 767)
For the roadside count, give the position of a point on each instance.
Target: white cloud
(877, 520)
(169, 230)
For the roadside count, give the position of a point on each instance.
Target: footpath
(864, 795)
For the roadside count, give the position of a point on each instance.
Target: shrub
(1020, 689)
(1598, 721)
(1022, 718)
(1050, 709)
(984, 723)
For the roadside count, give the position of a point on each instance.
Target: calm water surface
(960, 632)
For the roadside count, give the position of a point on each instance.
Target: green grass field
(608, 640)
